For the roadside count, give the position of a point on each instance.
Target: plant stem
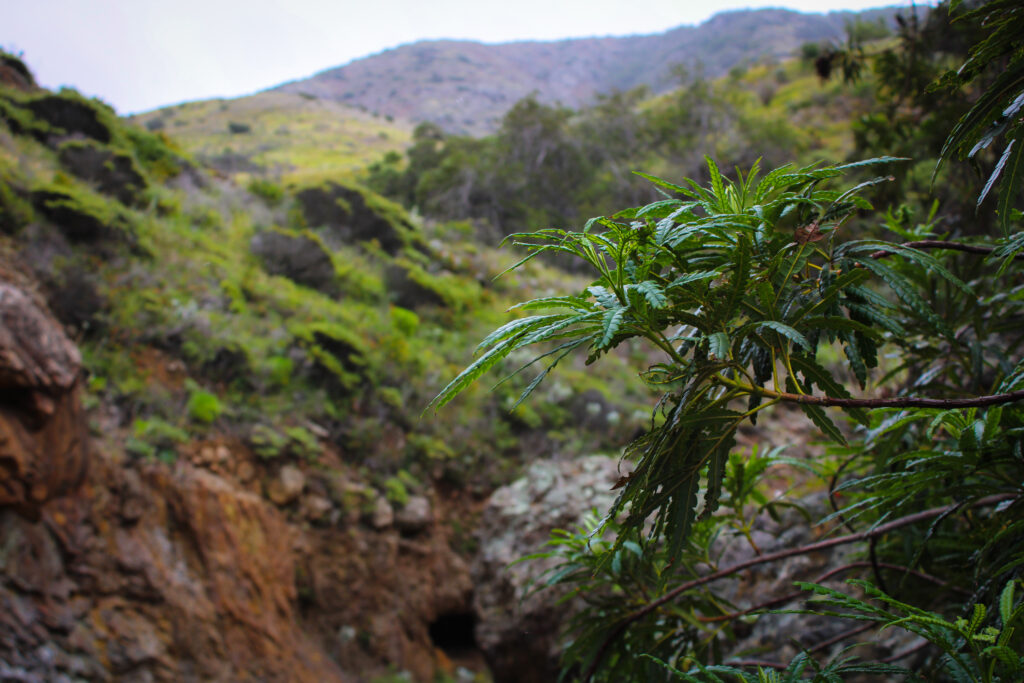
(899, 402)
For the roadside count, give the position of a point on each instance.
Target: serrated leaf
(906, 292)
(977, 617)
(718, 345)
(692, 277)
(652, 292)
(822, 422)
(788, 332)
(471, 373)
(604, 297)
(1006, 656)
(1013, 179)
(610, 326)
(716, 474)
(1006, 603)
(520, 325)
(814, 373)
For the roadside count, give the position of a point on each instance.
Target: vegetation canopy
(901, 345)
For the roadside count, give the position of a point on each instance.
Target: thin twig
(940, 244)
(825, 644)
(905, 653)
(879, 530)
(783, 599)
(900, 402)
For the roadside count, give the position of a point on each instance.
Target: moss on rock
(349, 213)
(82, 217)
(113, 173)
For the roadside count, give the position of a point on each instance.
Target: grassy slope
(293, 137)
(195, 340)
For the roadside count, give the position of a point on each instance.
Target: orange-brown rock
(136, 570)
(43, 449)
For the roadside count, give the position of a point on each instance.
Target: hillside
(284, 135)
(466, 87)
(210, 458)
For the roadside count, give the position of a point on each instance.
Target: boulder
(517, 630)
(381, 516)
(409, 287)
(347, 215)
(70, 113)
(415, 516)
(287, 486)
(298, 257)
(114, 174)
(80, 217)
(14, 73)
(76, 300)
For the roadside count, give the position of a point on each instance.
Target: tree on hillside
(906, 353)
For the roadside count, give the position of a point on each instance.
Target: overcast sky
(142, 54)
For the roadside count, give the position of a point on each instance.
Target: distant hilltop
(466, 87)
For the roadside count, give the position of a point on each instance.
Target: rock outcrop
(43, 450)
(114, 568)
(298, 257)
(518, 629)
(347, 216)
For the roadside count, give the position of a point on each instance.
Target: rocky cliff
(115, 571)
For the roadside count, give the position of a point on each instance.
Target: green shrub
(203, 406)
(404, 321)
(270, 191)
(270, 442)
(155, 438)
(281, 369)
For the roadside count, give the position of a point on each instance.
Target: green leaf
(471, 373)
(818, 417)
(665, 184)
(653, 292)
(977, 617)
(788, 332)
(816, 374)
(1006, 603)
(906, 292)
(604, 297)
(1013, 179)
(716, 474)
(693, 277)
(718, 345)
(610, 326)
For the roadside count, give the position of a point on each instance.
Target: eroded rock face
(43, 450)
(519, 632)
(139, 571)
(197, 582)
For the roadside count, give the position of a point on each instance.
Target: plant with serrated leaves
(741, 286)
(998, 114)
(738, 285)
(978, 647)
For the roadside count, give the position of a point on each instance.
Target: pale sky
(142, 54)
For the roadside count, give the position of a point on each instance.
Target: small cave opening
(453, 633)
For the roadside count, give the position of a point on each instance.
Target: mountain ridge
(466, 86)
